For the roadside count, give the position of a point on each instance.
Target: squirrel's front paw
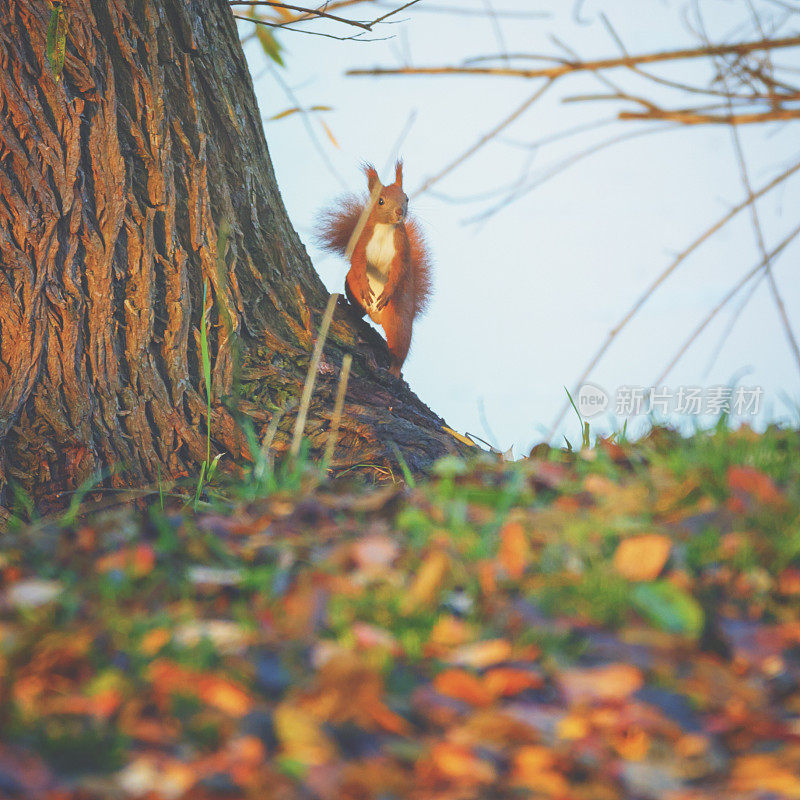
(367, 296)
(383, 301)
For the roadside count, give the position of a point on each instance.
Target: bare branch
(693, 118)
(740, 48)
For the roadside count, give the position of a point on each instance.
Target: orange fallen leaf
(641, 558)
(515, 550)
(460, 764)
(754, 483)
(764, 773)
(508, 681)
(450, 631)
(789, 582)
(487, 577)
(462, 685)
(225, 696)
(533, 767)
(632, 744)
(154, 640)
(138, 561)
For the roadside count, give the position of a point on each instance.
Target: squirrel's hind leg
(398, 336)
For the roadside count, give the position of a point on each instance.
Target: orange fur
(405, 282)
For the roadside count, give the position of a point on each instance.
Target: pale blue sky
(524, 299)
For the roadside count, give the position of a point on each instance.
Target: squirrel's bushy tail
(337, 223)
(420, 266)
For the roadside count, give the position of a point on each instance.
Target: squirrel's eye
(380, 201)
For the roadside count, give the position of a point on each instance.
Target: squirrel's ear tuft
(398, 173)
(372, 176)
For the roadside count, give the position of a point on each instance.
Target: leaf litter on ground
(617, 623)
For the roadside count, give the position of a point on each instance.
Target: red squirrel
(390, 272)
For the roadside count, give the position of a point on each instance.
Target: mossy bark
(139, 176)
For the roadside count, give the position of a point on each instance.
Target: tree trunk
(126, 186)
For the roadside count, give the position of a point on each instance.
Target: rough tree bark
(124, 187)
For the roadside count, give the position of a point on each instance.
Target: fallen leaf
(33, 593)
(669, 607)
(214, 576)
(510, 681)
(641, 558)
(534, 768)
(427, 581)
(137, 561)
(764, 773)
(482, 654)
(462, 685)
(228, 637)
(610, 683)
(515, 550)
(755, 484)
(224, 696)
(301, 735)
(460, 764)
(374, 551)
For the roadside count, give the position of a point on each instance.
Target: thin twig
(725, 300)
(487, 137)
(311, 377)
(285, 26)
(312, 12)
(338, 407)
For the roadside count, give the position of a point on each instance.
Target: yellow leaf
(573, 727)
(482, 654)
(301, 736)
(450, 631)
(456, 435)
(329, 132)
(641, 558)
(428, 580)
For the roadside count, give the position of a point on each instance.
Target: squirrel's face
(392, 203)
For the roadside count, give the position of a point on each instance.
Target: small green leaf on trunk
(57, 38)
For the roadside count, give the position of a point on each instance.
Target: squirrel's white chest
(380, 248)
(380, 254)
